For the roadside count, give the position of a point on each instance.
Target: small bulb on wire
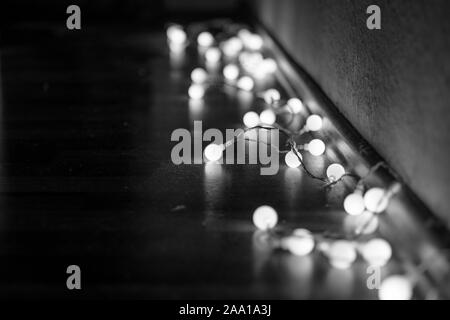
(254, 42)
(376, 200)
(245, 83)
(265, 218)
(232, 47)
(354, 204)
(268, 66)
(342, 254)
(251, 119)
(376, 252)
(205, 39)
(196, 91)
(199, 75)
(231, 72)
(300, 243)
(396, 287)
(176, 35)
(213, 152)
(335, 171)
(267, 117)
(213, 55)
(292, 160)
(316, 147)
(271, 96)
(296, 105)
(314, 123)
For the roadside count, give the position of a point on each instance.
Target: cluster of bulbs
(248, 64)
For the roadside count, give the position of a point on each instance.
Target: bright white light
(245, 83)
(176, 35)
(375, 200)
(395, 288)
(213, 55)
(376, 252)
(251, 119)
(354, 204)
(267, 117)
(213, 152)
(251, 61)
(335, 171)
(268, 65)
(271, 96)
(316, 147)
(254, 42)
(292, 160)
(342, 254)
(265, 218)
(314, 123)
(301, 243)
(232, 47)
(205, 39)
(196, 91)
(231, 72)
(295, 104)
(199, 75)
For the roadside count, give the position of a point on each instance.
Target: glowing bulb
(231, 72)
(244, 34)
(342, 254)
(176, 35)
(316, 147)
(295, 104)
(267, 117)
(376, 252)
(196, 91)
(314, 123)
(335, 171)
(213, 55)
(205, 39)
(268, 65)
(301, 243)
(232, 47)
(271, 96)
(250, 61)
(292, 160)
(245, 83)
(395, 288)
(251, 119)
(213, 152)
(354, 204)
(254, 42)
(199, 75)
(375, 200)
(265, 218)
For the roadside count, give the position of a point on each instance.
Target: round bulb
(271, 96)
(231, 72)
(335, 171)
(295, 104)
(265, 218)
(292, 160)
(316, 147)
(354, 204)
(254, 42)
(232, 47)
(376, 252)
(395, 288)
(205, 39)
(251, 119)
(213, 55)
(251, 61)
(196, 91)
(245, 83)
(176, 35)
(268, 65)
(375, 200)
(300, 243)
(199, 75)
(268, 117)
(213, 152)
(314, 123)
(342, 254)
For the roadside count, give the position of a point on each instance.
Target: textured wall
(392, 84)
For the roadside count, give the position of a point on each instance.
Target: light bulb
(250, 61)
(196, 91)
(268, 117)
(268, 65)
(244, 34)
(176, 35)
(232, 47)
(231, 72)
(335, 171)
(314, 123)
(199, 75)
(376, 252)
(271, 96)
(300, 243)
(245, 83)
(292, 160)
(316, 147)
(254, 42)
(342, 254)
(251, 119)
(395, 288)
(295, 104)
(213, 55)
(376, 200)
(205, 39)
(354, 204)
(265, 218)
(213, 152)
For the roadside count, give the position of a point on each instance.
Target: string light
(296, 105)
(265, 218)
(268, 65)
(213, 55)
(376, 252)
(395, 287)
(335, 171)
(314, 123)
(300, 243)
(254, 42)
(316, 147)
(342, 254)
(245, 83)
(196, 91)
(267, 117)
(176, 35)
(354, 204)
(214, 152)
(231, 72)
(375, 200)
(205, 39)
(251, 119)
(199, 75)
(271, 96)
(292, 160)
(232, 47)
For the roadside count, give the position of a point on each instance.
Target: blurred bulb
(232, 47)
(254, 42)
(342, 254)
(250, 61)
(376, 252)
(176, 35)
(354, 204)
(213, 152)
(375, 200)
(316, 147)
(268, 65)
(300, 243)
(205, 39)
(231, 72)
(395, 288)
(268, 117)
(213, 55)
(199, 75)
(265, 218)
(251, 119)
(295, 104)
(244, 34)
(292, 160)
(196, 91)
(335, 171)
(245, 83)
(271, 96)
(314, 123)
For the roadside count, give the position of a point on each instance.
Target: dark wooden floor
(86, 179)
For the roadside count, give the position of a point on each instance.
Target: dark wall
(392, 84)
